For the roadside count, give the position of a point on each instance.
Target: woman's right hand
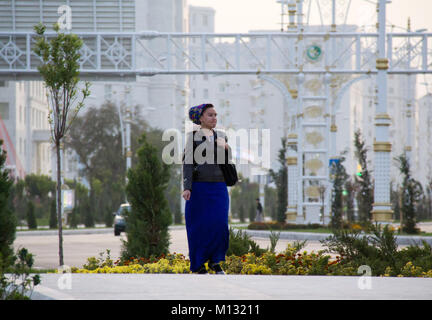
(186, 194)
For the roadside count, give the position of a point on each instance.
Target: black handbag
(230, 173)
(229, 170)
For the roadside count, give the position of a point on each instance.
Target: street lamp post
(128, 121)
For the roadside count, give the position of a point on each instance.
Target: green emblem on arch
(313, 52)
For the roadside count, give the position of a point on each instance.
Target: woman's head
(204, 114)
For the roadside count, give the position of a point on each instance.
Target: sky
(244, 15)
(234, 16)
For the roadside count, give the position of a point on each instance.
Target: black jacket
(202, 167)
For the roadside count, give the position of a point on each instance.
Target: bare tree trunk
(59, 203)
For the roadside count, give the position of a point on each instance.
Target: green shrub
(31, 217)
(53, 223)
(378, 251)
(239, 243)
(18, 285)
(94, 263)
(149, 218)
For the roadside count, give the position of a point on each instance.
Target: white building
(24, 127)
(160, 99)
(422, 147)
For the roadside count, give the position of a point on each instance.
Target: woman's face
(209, 118)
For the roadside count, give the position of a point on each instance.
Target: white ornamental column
(409, 95)
(291, 214)
(299, 127)
(382, 211)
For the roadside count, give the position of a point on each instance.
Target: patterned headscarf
(196, 112)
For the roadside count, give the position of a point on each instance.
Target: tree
(243, 196)
(281, 180)
(363, 180)
(82, 200)
(31, 218)
(270, 204)
(18, 199)
(97, 141)
(53, 222)
(60, 72)
(339, 181)
(38, 189)
(412, 191)
(149, 218)
(7, 217)
(349, 187)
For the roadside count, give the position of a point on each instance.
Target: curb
(286, 235)
(76, 231)
(400, 240)
(67, 232)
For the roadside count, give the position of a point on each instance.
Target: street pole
(382, 211)
(128, 120)
(128, 130)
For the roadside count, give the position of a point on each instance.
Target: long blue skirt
(206, 215)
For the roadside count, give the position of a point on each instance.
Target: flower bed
(289, 262)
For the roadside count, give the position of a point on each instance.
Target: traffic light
(359, 170)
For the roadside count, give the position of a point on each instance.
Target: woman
(205, 192)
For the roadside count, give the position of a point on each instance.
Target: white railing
(126, 55)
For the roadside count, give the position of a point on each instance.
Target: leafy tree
(96, 139)
(349, 187)
(363, 180)
(270, 204)
(39, 186)
(53, 222)
(38, 189)
(31, 217)
(281, 180)
(243, 196)
(18, 199)
(7, 218)
(411, 194)
(424, 206)
(242, 214)
(82, 202)
(148, 221)
(73, 222)
(429, 199)
(60, 72)
(172, 194)
(339, 181)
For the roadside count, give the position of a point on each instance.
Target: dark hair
(206, 106)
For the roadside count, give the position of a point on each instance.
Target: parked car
(119, 219)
